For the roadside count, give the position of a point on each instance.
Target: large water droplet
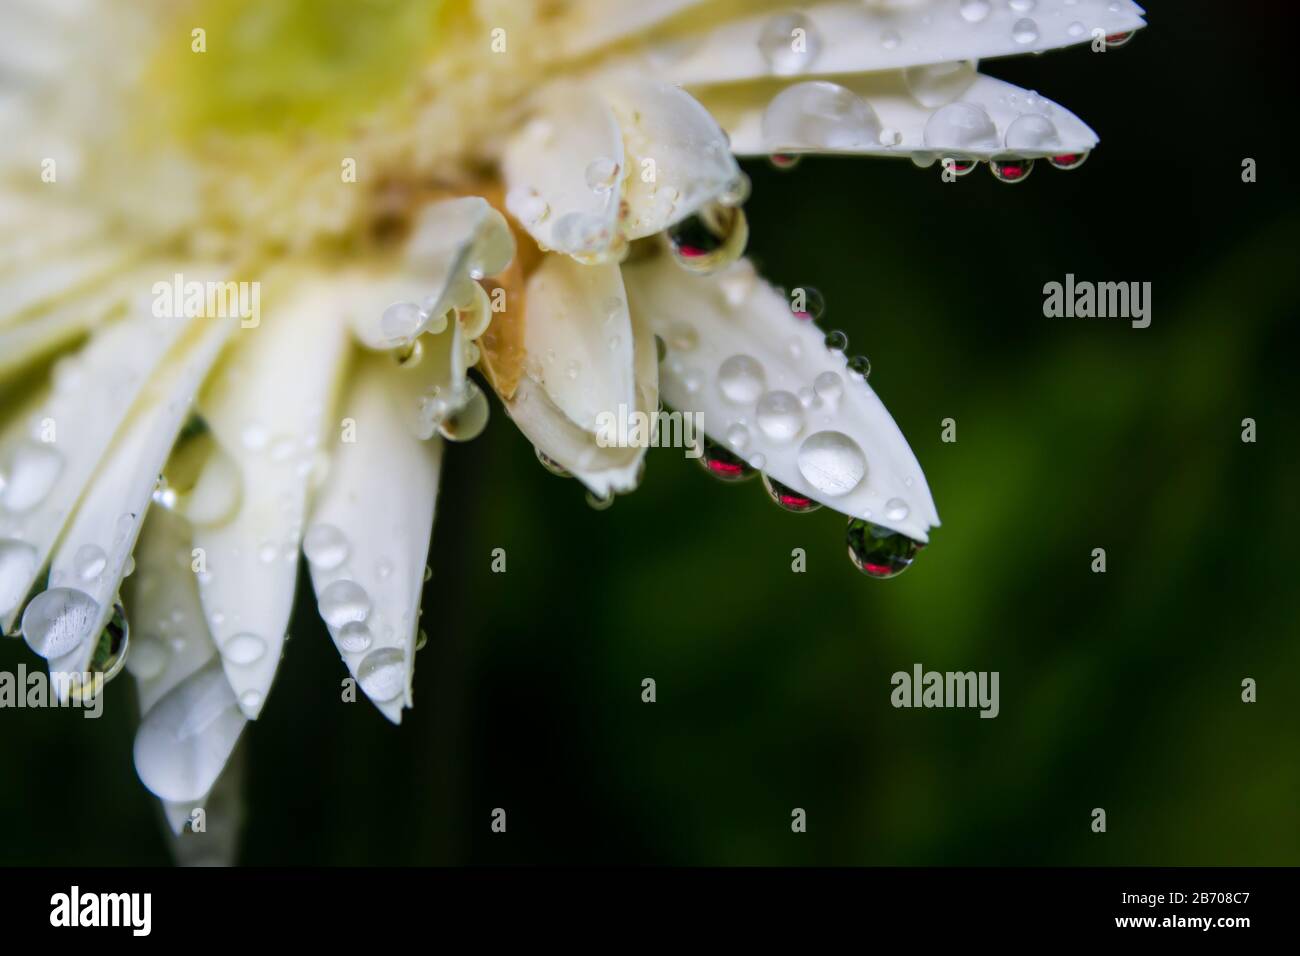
(789, 44)
(779, 416)
(1032, 133)
(354, 637)
(17, 568)
(343, 602)
(325, 546)
(832, 463)
(401, 321)
(936, 84)
(788, 498)
(722, 464)
(467, 422)
(28, 475)
(975, 11)
(741, 379)
(961, 126)
(244, 649)
(878, 551)
(1011, 169)
(710, 240)
(819, 115)
(382, 674)
(57, 621)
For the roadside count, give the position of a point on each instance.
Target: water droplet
(828, 386)
(267, 552)
(1011, 169)
(722, 464)
(601, 174)
(57, 621)
(960, 126)
(832, 463)
(878, 551)
(600, 502)
(788, 498)
(784, 161)
(17, 568)
(1118, 40)
(860, 365)
(741, 379)
(428, 574)
(250, 700)
(551, 465)
(1032, 132)
(1076, 29)
(736, 191)
(780, 416)
(807, 304)
(789, 44)
(580, 233)
(109, 656)
(354, 637)
(244, 649)
(974, 11)
(401, 321)
(836, 341)
(325, 546)
(89, 561)
(937, 84)
(896, 509)
(890, 39)
(1024, 31)
(1022, 6)
(710, 240)
(682, 337)
(528, 205)
(342, 602)
(738, 437)
(819, 115)
(28, 476)
(1068, 161)
(467, 422)
(382, 674)
(959, 167)
(421, 639)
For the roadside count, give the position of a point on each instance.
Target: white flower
(267, 241)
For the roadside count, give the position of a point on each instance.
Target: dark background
(1119, 690)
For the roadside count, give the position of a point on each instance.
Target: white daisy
(251, 251)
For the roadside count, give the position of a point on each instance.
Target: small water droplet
(244, 649)
(401, 321)
(682, 337)
(832, 463)
(354, 637)
(600, 502)
(878, 551)
(807, 304)
(736, 191)
(421, 639)
(788, 498)
(1024, 31)
(89, 561)
(784, 161)
(342, 602)
(836, 341)
(741, 379)
(975, 11)
(325, 546)
(828, 386)
(551, 465)
(109, 656)
(1118, 40)
(1068, 161)
(250, 700)
(896, 509)
(382, 674)
(860, 365)
(937, 84)
(779, 416)
(722, 464)
(789, 44)
(467, 422)
(738, 437)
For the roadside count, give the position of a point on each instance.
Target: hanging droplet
(879, 552)
(958, 167)
(28, 475)
(401, 321)
(325, 546)
(789, 44)
(741, 379)
(722, 464)
(1068, 161)
(1118, 40)
(382, 674)
(710, 240)
(832, 463)
(807, 304)
(421, 639)
(109, 656)
(736, 191)
(342, 602)
(836, 341)
(1011, 170)
(784, 161)
(57, 621)
(788, 498)
(551, 465)
(467, 422)
(600, 502)
(860, 365)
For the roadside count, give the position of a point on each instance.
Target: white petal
(588, 24)
(268, 409)
(48, 458)
(109, 516)
(368, 539)
(564, 172)
(579, 339)
(737, 319)
(223, 817)
(678, 158)
(849, 36)
(187, 737)
(814, 116)
(59, 279)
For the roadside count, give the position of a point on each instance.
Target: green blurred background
(1119, 690)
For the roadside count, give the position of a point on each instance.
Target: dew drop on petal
(244, 649)
(57, 621)
(832, 463)
(960, 126)
(807, 304)
(354, 637)
(879, 552)
(860, 365)
(779, 416)
(836, 341)
(325, 546)
(17, 568)
(784, 161)
(896, 509)
(342, 602)
(1068, 161)
(468, 421)
(1024, 31)
(1032, 132)
(788, 498)
(819, 115)
(723, 464)
(828, 386)
(401, 321)
(109, 656)
(789, 44)
(937, 84)
(738, 437)
(975, 11)
(601, 174)
(28, 475)
(382, 674)
(741, 379)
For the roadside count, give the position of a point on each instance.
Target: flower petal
(368, 541)
(267, 409)
(739, 356)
